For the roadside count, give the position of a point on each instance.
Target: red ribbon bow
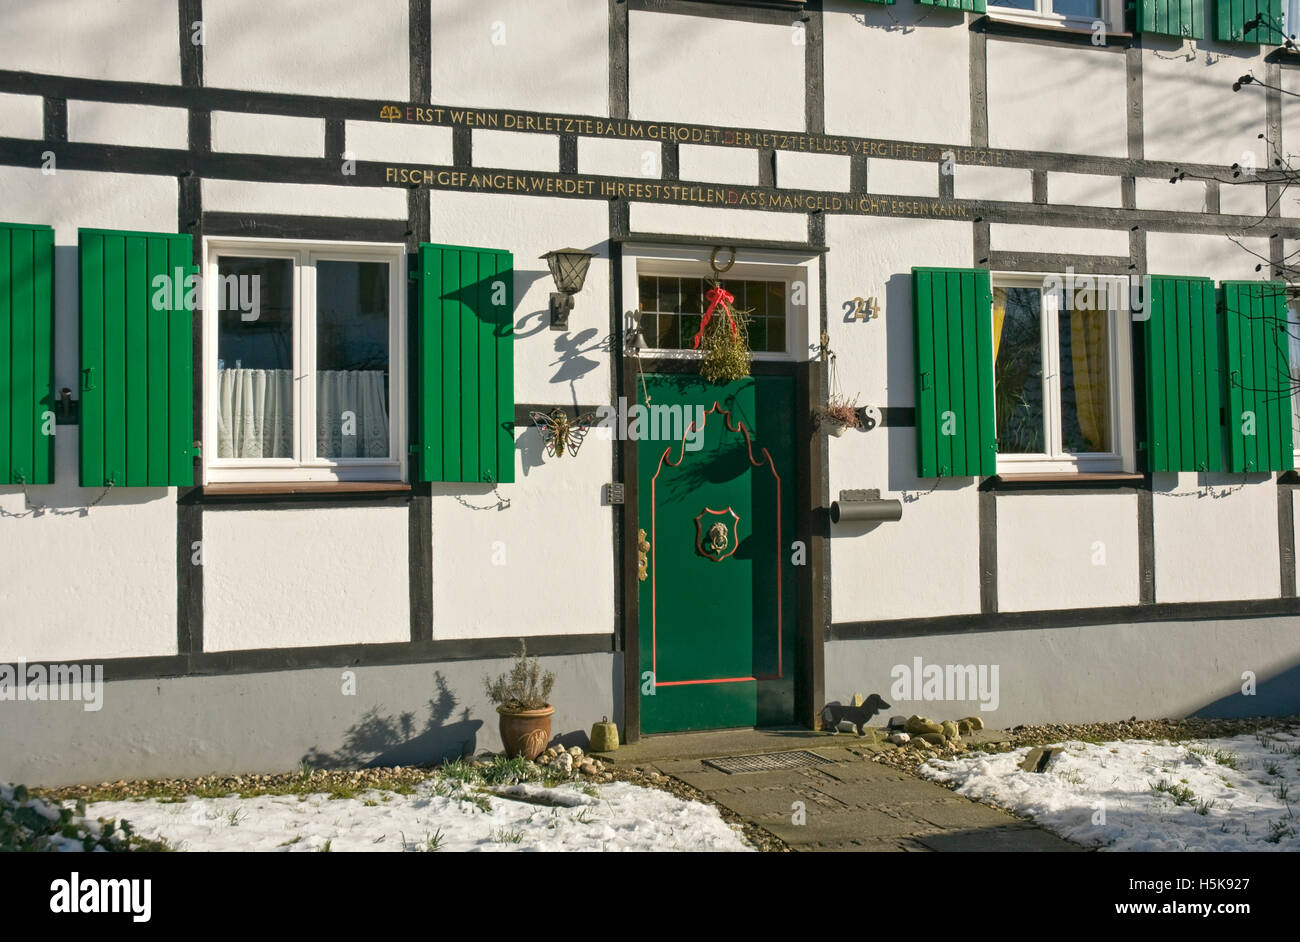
(715, 296)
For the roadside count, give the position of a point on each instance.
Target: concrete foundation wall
(1091, 673)
(274, 721)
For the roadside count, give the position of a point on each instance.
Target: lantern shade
(568, 268)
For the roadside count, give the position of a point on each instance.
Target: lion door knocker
(716, 533)
(718, 537)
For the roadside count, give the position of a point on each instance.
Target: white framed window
(304, 361)
(1069, 14)
(1062, 369)
(664, 297)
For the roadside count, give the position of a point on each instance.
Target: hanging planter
(839, 415)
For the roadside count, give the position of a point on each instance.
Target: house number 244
(861, 309)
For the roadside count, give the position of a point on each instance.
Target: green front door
(716, 504)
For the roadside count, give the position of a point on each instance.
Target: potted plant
(521, 698)
(839, 414)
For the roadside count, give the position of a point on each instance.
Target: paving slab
(822, 827)
(775, 801)
(1012, 839)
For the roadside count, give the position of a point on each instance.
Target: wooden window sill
(255, 489)
(991, 22)
(1080, 477)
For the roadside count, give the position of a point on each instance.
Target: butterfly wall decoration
(561, 433)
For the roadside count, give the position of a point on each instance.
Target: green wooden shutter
(26, 354)
(464, 339)
(137, 401)
(955, 434)
(1184, 18)
(1184, 376)
(969, 6)
(1249, 21)
(1259, 376)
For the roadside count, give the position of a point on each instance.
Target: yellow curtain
(1089, 350)
(999, 313)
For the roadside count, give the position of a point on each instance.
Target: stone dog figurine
(835, 713)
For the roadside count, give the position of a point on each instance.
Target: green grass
(507, 836)
(1180, 794)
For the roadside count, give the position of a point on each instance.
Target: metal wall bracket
(864, 506)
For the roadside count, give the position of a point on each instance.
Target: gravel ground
(1040, 735)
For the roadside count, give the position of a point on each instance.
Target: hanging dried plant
(724, 339)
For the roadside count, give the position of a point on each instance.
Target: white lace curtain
(255, 414)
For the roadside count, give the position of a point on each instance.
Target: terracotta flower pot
(525, 732)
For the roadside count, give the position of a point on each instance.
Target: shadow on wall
(378, 741)
(1279, 695)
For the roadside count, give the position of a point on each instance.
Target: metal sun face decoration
(562, 433)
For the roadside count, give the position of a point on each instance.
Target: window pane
(1080, 9)
(352, 359)
(1018, 370)
(1013, 4)
(1085, 379)
(255, 345)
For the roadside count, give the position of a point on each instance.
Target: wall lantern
(569, 269)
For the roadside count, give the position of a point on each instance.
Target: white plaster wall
(542, 566)
(1213, 256)
(1184, 95)
(1215, 538)
(898, 569)
(887, 76)
(799, 171)
(1057, 551)
(1058, 239)
(410, 143)
(1083, 189)
(705, 221)
(686, 69)
(298, 578)
(902, 177)
(22, 116)
(620, 158)
(522, 54)
(1187, 196)
(90, 586)
(366, 202)
(1295, 529)
(1251, 199)
(101, 122)
(515, 150)
(1054, 98)
(70, 199)
(279, 135)
(705, 164)
(303, 47)
(122, 40)
(550, 366)
(1007, 184)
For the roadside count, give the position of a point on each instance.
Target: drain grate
(768, 762)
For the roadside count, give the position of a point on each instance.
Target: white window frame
(303, 467)
(1112, 14)
(752, 265)
(1056, 459)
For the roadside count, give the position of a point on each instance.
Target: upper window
(304, 362)
(1061, 366)
(1076, 14)
(672, 308)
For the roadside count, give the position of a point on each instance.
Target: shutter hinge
(86, 379)
(414, 449)
(196, 450)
